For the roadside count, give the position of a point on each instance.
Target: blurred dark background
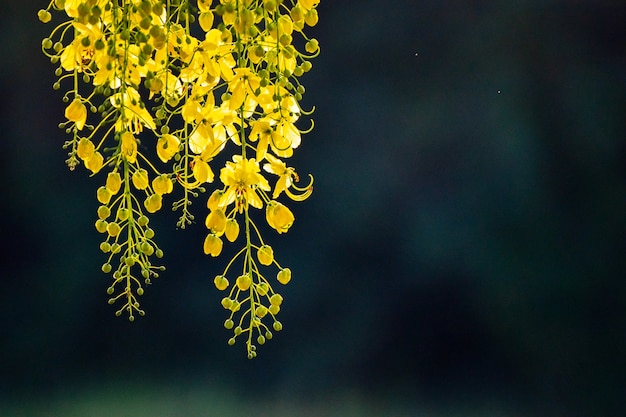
(463, 252)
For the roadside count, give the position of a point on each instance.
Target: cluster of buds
(159, 92)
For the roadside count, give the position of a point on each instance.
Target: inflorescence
(156, 90)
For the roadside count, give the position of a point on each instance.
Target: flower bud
(221, 283)
(129, 147)
(284, 276)
(44, 16)
(162, 184)
(265, 254)
(153, 203)
(140, 179)
(276, 299)
(278, 216)
(232, 230)
(216, 222)
(76, 112)
(103, 195)
(113, 182)
(95, 163)
(212, 245)
(243, 282)
(85, 149)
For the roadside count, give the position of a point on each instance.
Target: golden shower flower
(212, 245)
(216, 221)
(85, 149)
(242, 179)
(167, 147)
(95, 163)
(76, 112)
(278, 216)
(231, 95)
(162, 184)
(153, 203)
(129, 147)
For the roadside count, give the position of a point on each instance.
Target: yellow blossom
(153, 203)
(129, 147)
(278, 216)
(162, 184)
(202, 171)
(140, 179)
(76, 112)
(114, 182)
(95, 163)
(167, 147)
(308, 4)
(85, 149)
(212, 245)
(242, 179)
(232, 230)
(216, 221)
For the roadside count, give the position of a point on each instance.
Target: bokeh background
(462, 255)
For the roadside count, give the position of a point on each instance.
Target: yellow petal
(77, 113)
(129, 147)
(114, 182)
(202, 171)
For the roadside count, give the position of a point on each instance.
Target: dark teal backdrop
(463, 251)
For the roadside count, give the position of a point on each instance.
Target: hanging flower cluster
(157, 90)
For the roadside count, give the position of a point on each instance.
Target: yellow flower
(244, 82)
(242, 180)
(114, 182)
(140, 179)
(278, 216)
(232, 230)
(153, 203)
(135, 114)
(86, 149)
(95, 163)
(212, 245)
(216, 222)
(284, 276)
(76, 112)
(129, 147)
(261, 130)
(162, 184)
(202, 171)
(286, 176)
(308, 4)
(265, 254)
(285, 138)
(167, 147)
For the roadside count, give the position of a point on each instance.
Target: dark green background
(463, 252)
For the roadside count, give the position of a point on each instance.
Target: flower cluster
(159, 91)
